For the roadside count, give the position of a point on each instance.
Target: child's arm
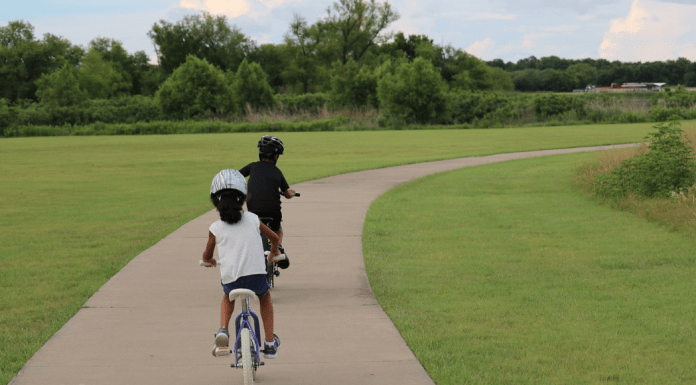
(273, 237)
(209, 248)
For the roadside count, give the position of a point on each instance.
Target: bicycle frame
(243, 321)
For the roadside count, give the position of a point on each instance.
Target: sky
(624, 30)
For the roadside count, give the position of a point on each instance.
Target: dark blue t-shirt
(266, 183)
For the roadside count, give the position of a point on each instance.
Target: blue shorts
(256, 283)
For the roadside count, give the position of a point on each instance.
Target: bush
(353, 85)
(413, 94)
(311, 103)
(669, 166)
(553, 104)
(251, 87)
(661, 114)
(196, 88)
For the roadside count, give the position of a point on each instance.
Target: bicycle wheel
(247, 361)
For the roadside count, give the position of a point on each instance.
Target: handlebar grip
(206, 264)
(297, 194)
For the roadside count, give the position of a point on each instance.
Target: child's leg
(226, 310)
(267, 316)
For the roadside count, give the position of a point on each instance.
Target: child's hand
(213, 263)
(274, 252)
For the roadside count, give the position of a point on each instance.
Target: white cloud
(233, 8)
(530, 39)
(482, 49)
(652, 31)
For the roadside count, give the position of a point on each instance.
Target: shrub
(353, 85)
(251, 87)
(414, 93)
(661, 114)
(668, 166)
(311, 103)
(548, 105)
(196, 88)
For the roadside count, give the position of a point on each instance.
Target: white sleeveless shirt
(239, 247)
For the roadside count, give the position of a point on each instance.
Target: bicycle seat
(241, 293)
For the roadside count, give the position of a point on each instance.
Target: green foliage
(205, 36)
(469, 73)
(182, 127)
(196, 88)
(554, 104)
(668, 167)
(353, 85)
(468, 107)
(61, 88)
(413, 94)
(100, 78)
(661, 114)
(354, 26)
(303, 102)
(24, 59)
(251, 87)
(501, 80)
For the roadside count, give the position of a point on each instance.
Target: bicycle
(272, 269)
(246, 346)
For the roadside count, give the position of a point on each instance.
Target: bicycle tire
(247, 361)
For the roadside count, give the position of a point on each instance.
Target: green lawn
(508, 274)
(75, 210)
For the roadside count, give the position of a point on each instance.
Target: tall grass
(677, 212)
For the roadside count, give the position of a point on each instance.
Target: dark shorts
(275, 222)
(256, 283)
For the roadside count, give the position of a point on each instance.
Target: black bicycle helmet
(270, 145)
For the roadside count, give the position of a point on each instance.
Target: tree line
(207, 68)
(562, 75)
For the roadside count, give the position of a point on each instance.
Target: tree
(469, 73)
(585, 73)
(353, 85)
(528, 80)
(357, 25)
(60, 88)
(414, 93)
(132, 68)
(195, 88)
(23, 59)
(501, 80)
(407, 46)
(559, 81)
(101, 79)
(273, 59)
(251, 87)
(304, 43)
(204, 36)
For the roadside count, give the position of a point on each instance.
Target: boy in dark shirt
(267, 183)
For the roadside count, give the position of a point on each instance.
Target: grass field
(521, 278)
(75, 210)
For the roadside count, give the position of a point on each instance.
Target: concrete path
(153, 322)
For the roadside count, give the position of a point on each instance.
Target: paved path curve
(153, 322)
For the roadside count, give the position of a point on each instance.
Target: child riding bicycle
(237, 236)
(267, 183)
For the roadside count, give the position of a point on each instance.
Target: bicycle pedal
(276, 273)
(222, 352)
